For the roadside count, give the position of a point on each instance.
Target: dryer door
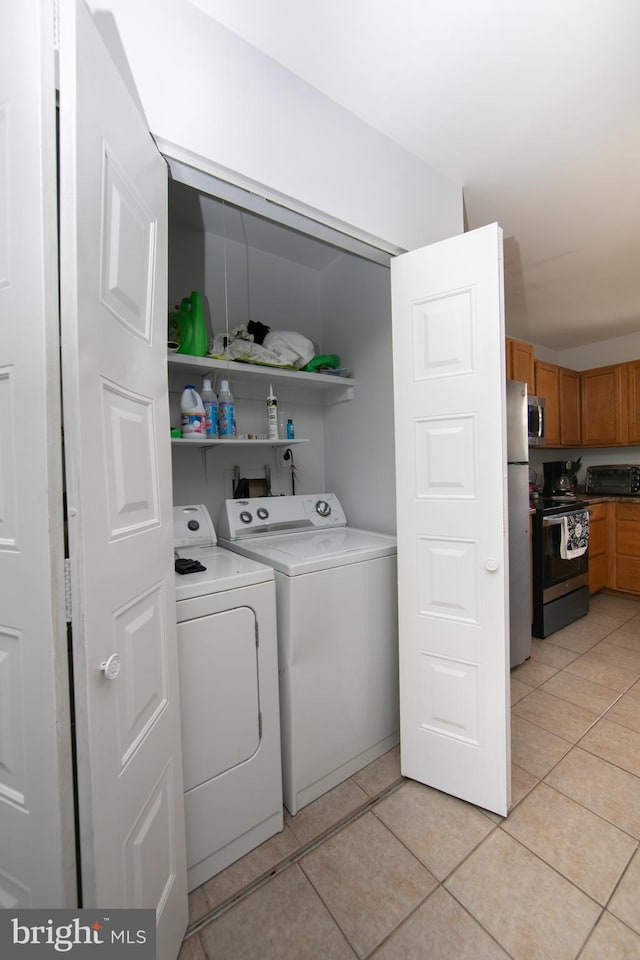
(218, 693)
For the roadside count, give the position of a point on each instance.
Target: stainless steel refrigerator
(518, 517)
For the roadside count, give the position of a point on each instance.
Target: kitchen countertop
(600, 498)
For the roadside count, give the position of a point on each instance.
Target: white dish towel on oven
(574, 535)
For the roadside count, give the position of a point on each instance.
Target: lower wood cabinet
(626, 542)
(598, 546)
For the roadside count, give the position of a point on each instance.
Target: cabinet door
(548, 386)
(520, 363)
(598, 553)
(627, 547)
(634, 401)
(570, 420)
(605, 412)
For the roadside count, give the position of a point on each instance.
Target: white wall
(359, 435)
(599, 354)
(216, 97)
(282, 294)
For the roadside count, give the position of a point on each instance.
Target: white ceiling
(532, 105)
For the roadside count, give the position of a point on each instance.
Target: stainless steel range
(560, 563)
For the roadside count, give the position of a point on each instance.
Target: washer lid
(225, 571)
(297, 553)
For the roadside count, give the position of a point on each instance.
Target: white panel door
(114, 329)
(37, 850)
(448, 335)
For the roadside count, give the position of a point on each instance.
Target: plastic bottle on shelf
(226, 411)
(291, 433)
(210, 402)
(192, 415)
(272, 414)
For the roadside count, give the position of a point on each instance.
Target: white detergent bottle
(272, 414)
(210, 402)
(192, 414)
(226, 412)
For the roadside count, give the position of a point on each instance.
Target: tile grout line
(294, 858)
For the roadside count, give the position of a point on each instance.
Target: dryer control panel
(193, 527)
(257, 516)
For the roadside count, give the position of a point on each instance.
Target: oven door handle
(555, 521)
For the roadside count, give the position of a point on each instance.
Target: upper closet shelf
(335, 388)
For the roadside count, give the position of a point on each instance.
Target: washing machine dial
(323, 508)
(262, 512)
(193, 525)
(246, 517)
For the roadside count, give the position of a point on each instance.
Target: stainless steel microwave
(535, 419)
(616, 479)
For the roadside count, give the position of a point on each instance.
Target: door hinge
(67, 589)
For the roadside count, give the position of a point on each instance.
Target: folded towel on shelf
(574, 535)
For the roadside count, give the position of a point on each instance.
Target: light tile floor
(386, 868)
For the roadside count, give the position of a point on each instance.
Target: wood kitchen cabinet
(605, 405)
(626, 544)
(548, 386)
(598, 546)
(634, 401)
(560, 388)
(520, 362)
(570, 408)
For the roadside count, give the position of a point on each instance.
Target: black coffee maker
(559, 478)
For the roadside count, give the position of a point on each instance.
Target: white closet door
(37, 851)
(117, 447)
(448, 332)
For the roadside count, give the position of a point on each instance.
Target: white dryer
(228, 661)
(336, 590)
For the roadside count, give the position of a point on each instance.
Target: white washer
(228, 661)
(336, 590)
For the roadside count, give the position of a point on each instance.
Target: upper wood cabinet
(570, 408)
(548, 386)
(560, 388)
(519, 362)
(634, 401)
(605, 407)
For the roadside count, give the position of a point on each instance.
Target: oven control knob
(262, 512)
(323, 508)
(491, 565)
(193, 525)
(246, 517)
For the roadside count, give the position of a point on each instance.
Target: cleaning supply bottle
(226, 411)
(210, 402)
(291, 433)
(192, 414)
(272, 414)
(192, 331)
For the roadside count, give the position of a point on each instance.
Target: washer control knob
(111, 666)
(193, 525)
(323, 508)
(246, 517)
(262, 512)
